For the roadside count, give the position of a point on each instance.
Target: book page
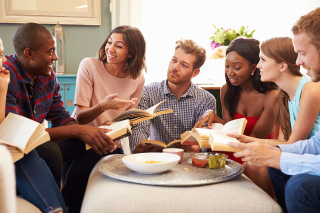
(154, 143)
(235, 125)
(131, 113)
(218, 142)
(16, 155)
(121, 128)
(40, 139)
(221, 137)
(216, 126)
(17, 130)
(151, 110)
(125, 124)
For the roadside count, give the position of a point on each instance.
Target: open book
(119, 129)
(160, 144)
(21, 135)
(137, 115)
(215, 138)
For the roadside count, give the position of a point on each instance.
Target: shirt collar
(190, 91)
(24, 75)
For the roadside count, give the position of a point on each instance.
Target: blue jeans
(298, 193)
(79, 171)
(37, 185)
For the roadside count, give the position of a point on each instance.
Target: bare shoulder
(270, 97)
(271, 94)
(223, 90)
(311, 89)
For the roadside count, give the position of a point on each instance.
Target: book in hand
(159, 144)
(215, 138)
(21, 135)
(120, 129)
(137, 115)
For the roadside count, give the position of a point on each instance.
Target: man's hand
(207, 117)
(188, 148)
(96, 138)
(112, 102)
(146, 148)
(258, 154)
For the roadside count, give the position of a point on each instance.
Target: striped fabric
(37, 99)
(186, 112)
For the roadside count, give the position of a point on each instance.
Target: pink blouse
(94, 83)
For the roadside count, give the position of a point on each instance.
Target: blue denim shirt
(302, 157)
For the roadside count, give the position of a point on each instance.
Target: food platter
(183, 174)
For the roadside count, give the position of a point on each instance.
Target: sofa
(9, 202)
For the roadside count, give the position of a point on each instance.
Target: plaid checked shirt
(37, 99)
(187, 110)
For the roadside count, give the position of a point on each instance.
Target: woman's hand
(207, 117)
(4, 77)
(112, 102)
(242, 138)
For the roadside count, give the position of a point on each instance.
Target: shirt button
(290, 170)
(31, 96)
(175, 126)
(176, 114)
(34, 111)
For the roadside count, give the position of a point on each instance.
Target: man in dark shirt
(33, 92)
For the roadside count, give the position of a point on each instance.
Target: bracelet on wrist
(102, 107)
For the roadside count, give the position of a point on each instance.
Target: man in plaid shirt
(187, 101)
(33, 92)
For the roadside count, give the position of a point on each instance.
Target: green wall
(81, 41)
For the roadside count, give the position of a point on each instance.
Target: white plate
(135, 162)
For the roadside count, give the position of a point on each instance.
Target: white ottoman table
(105, 194)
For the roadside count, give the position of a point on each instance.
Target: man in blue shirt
(294, 169)
(187, 101)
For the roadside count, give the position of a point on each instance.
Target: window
(166, 21)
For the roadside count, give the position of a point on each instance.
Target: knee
(51, 152)
(301, 190)
(294, 187)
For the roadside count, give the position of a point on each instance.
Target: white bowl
(135, 162)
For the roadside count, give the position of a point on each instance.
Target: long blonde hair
(281, 50)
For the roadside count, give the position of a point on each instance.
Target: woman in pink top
(245, 95)
(113, 82)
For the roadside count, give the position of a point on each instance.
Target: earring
(252, 73)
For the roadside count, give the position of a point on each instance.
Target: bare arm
(309, 110)
(225, 113)
(209, 117)
(4, 81)
(88, 114)
(266, 122)
(91, 135)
